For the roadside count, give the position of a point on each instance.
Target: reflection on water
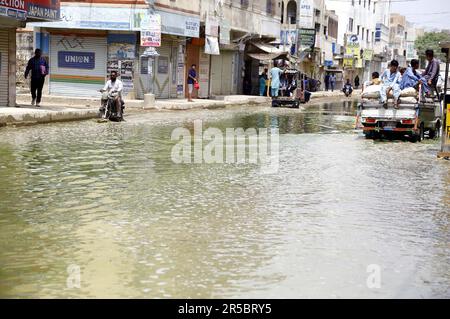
(107, 197)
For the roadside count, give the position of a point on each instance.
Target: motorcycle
(347, 91)
(107, 110)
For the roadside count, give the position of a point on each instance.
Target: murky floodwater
(107, 198)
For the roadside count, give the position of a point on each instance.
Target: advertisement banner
(212, 46)
(212, 26)
(306, 14)
(306, 37)
(97, 18)
(121, 51)
(150, 38)
(151, 31)
(126, 75)
(348, 61)
(76, 60)
(368, 55)
(13, 9)
(352, 51)
(225, 28)
(288, 37)
(43, 9)
(358, 63)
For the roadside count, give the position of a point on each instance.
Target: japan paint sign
(43, 9)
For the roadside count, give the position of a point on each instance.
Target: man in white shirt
(115, 85)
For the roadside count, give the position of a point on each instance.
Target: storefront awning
(265, 56)
(266, 47)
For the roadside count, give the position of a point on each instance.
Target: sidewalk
(63, 108)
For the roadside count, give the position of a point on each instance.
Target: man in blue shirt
(192, 78)
(39, 69)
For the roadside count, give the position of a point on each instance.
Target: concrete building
(241, 25)
(356, 34)
(382, 50)
(13, 15)
(411, 36)
(398, 37)
(94, 38)
(213, 34)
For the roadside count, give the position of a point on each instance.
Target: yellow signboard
(359, 63)
(368, 55)
(448, 117)
(348, 62)
(353, 50)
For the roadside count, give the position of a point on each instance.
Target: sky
(424, 13)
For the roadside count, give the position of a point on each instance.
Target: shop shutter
(4, 63)
(162, 83)
(78, 75)
(221, 73)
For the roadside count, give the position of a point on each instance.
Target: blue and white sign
(76, 60)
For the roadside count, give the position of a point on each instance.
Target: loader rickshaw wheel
(419, 136)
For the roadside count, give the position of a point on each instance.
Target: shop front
(178, 51)
(94, 40)
(13, 15)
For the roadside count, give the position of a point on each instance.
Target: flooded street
(107, 199)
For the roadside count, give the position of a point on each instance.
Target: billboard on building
(212, 26)
(306, 14)
(13, 9)
(225, 28)
(43, 9)
(151, 31)
(306, 37)
(367, 55)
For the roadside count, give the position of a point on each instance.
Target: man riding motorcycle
(348, 89)
(115, 85)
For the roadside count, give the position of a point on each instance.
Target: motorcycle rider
(348, 89)
(115, 85)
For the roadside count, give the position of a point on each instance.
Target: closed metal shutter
(162, 79)
(221, 73)
(77, 75)
(4, 65)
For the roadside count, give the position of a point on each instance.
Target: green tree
(430, 40)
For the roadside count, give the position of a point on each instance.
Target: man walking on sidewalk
(192, 79)
(332, 82)
(39, 69)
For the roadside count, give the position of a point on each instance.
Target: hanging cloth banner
(212, 46)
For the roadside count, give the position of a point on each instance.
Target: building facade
(93, 39)
(13, 15)
(104, 35)
(356, 35)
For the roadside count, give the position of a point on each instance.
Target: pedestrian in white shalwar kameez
(390, 81)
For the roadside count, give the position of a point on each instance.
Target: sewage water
(104, 203)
